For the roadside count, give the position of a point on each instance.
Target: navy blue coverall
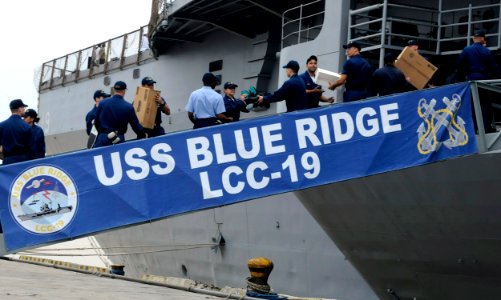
(313, 98)
(476, 62)
(293, 91)
(233, 107)
(113, 115)
(388, 80)
(91, 116)
(359, 73)
(16, 140)
(38, 142)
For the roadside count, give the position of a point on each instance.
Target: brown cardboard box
(145, 106)
(415, 67)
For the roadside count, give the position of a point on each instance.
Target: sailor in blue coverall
(16, 135)
(233, 105)
(112, 117)
(476, 62)
(293, 91)
(99, 95)
(37, 136)
(313, 91)
(162, 107)
(356, 74)
(388, 79)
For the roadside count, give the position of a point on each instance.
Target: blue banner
(85, 192)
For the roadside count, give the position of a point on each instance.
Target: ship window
(219, 79)
(106, 80)
(136, 73)
(216, 65)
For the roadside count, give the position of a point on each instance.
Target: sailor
(293, 91)
(102, 53)
(91, 115)
(476, 62)
(37, 135)
(15, 135)
(112, 117)
(162, 107)
(413, 45)
(388, 79)
(233, 105)
(313, 91)
(205, 107)
(356, 74)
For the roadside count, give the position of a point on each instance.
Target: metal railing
(299, 26)
(486, 142)
(472, 13)
(117, 53)
(375, 27)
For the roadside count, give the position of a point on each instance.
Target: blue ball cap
(230, 85)
(148, 81)
(17, 103)
(30, 112)
(120, 86)
(100, 93)
(294, 65)
(353, 44)
(479, 33)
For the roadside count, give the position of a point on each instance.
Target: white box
(323, 77)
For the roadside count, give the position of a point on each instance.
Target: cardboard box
(415, 67)
(145, 106)
(323, 77)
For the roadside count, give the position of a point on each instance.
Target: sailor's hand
(331, 100)
(158, 99)
(260, 99)
(331, 85)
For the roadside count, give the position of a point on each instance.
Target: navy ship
(421, 233)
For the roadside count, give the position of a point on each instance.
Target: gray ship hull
(306, 261)
(429, 232)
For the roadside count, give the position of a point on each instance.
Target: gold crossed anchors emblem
(440, 124)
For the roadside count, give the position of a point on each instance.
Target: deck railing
(439, 31)
(117, 53)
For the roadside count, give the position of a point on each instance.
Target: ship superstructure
(247, 42)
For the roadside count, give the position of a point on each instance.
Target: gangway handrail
(483, 145)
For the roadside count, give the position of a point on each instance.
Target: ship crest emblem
(43, 199)
(440, 126)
